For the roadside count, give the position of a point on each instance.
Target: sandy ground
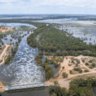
(5, 53)
(5, 29)
(67, 65)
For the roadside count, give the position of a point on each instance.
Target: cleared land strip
(93, 73)
(4, 54)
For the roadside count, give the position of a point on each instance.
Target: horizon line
(48, 14)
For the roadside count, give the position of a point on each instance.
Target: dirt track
(66, 82)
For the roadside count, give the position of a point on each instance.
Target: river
(23, 71)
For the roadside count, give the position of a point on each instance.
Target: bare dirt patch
(73, 67)
(4, 29)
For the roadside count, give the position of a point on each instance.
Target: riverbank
(23, 69)
(6, 54)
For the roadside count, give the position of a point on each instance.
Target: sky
(48, 7)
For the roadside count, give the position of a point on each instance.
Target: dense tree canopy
(52, 41)
(78, 87)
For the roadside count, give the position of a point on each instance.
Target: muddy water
(23, 71)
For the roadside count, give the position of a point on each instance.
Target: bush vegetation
(78, 87)
(48, 66)
(78, 69)
(64, 75)
(52, 41)
(8, 60)
(57, 91)
(82, 87)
